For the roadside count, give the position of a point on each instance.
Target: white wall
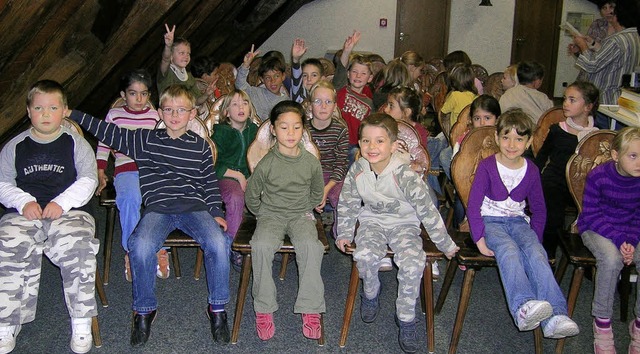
(324, 25)
(484, 32)
(566, 70)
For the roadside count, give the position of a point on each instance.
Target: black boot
(219, 327)
(141, 328)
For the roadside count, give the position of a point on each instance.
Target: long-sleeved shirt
(611, 205)
(531, 101)
(397, 196)
(61, 170)
(333, 143)
(285, 185)
(487, 183)
(619, 54)
(176, 175)
(125, 118)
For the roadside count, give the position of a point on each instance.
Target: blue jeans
(147, 239)
(128, 201)
(523, 264)
(609, 264)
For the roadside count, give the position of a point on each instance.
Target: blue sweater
(176, 175)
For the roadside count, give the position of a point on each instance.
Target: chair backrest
(479, 144)
(551, 116)
(410, 140)
(480, 72)
(66, 122)
(439, 91)
(461, 125)
(264, 141)
(493, 85)
(593, 150)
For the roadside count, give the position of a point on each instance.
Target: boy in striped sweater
(179, 191)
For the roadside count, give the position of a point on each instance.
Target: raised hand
(298, 49)
(168, 37)
(351, 41)
(248, 58)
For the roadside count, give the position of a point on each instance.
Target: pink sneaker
(311, 327)
(603, 340)
(634, 344)
(264, 325)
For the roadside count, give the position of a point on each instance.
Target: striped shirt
(620, 54)
(610, 205)
(176, 175)
(125, 118)
(333, 143)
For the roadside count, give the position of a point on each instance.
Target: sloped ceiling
(87, 45)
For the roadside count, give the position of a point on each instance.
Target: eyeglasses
(180, 111)
(319, 102)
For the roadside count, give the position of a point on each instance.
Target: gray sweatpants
(70, 244)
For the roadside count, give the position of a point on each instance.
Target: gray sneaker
(369, 308)
(407, 336)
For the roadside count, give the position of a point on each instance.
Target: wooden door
(535, 36)
(422, 26)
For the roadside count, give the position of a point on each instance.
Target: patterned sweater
(333, 143)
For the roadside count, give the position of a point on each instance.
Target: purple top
(611, 205)
(487, 183)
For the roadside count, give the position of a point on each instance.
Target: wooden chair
(493, 85)
(257, 150)
(551, 116)
(460, 126)
(95, 326)
(476, 146)
(480, 72)
(426, 291)
(593, 150)
(439, 92)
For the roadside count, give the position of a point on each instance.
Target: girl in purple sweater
(610, 227)
(504, 184)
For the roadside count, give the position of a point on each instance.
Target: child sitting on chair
(609, 226)
(47, 176)
(282, 192)
(504, 184)
(396, 200)
(179, 191)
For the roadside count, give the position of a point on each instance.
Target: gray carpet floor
(182, 325)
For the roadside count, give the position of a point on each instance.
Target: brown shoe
(162, 271)
(127, 268)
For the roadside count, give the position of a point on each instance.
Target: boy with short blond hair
(390, 200)
(48, 175)
(179, 191)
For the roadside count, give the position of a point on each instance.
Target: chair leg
(108, 242)
(450, 274)
(176, 262)
(427, 290)
(574, 289)
(348, 307)
(95, 332)
(624, 288)
(283, 266)
(100, 289)
(537, 339)
(199, 261)
(321, 339)
(562, 268)
(242, 294)
(465, 296)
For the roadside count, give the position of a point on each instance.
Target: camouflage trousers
(371, 247)
(69, 243)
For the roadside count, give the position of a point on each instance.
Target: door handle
(403, 36)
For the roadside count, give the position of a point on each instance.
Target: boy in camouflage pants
(390, 200)
(47, 176)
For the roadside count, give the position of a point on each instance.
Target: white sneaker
(532, 313)
(81, 338)
(8, 336)
(386, 265)
(560, 326)
(435, 271)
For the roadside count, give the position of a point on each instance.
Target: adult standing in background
(619, 54)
